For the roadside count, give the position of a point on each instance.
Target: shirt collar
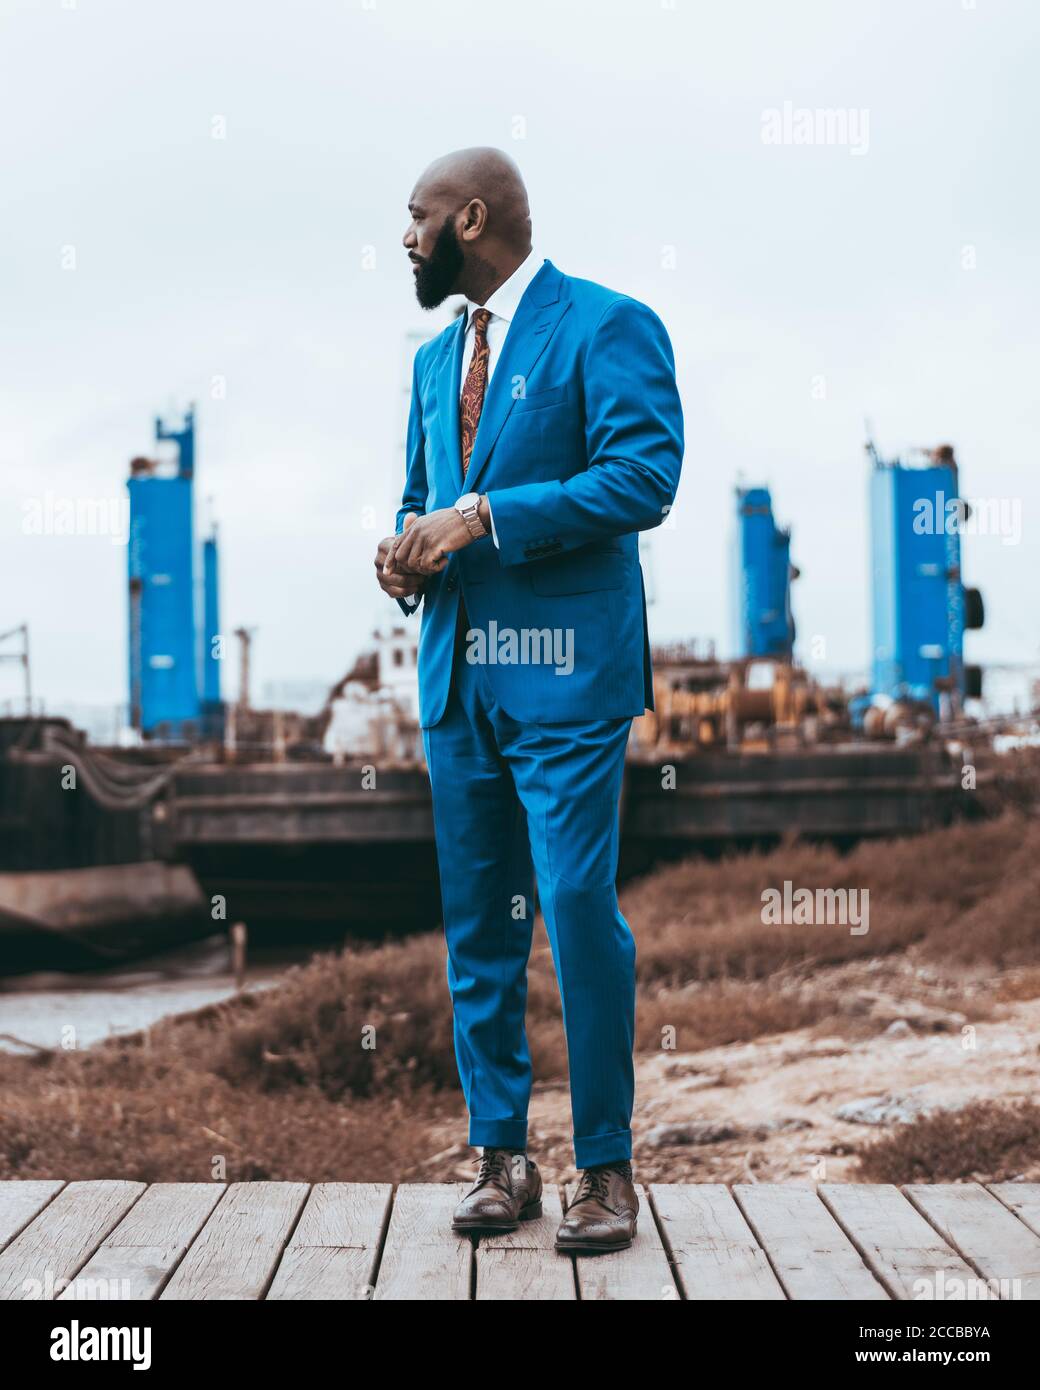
(505, 301)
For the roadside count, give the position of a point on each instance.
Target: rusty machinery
(754, 702)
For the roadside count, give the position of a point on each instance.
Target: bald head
(486, 175)
(471, 224)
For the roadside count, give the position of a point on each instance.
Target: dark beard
(436, 276)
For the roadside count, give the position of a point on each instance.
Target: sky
(205, 202)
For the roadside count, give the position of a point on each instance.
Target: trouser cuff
(603, 1148)
(498, 1134)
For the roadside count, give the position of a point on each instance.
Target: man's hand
(426, 544)
(397, 583)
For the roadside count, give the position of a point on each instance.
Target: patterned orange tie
(474, 386)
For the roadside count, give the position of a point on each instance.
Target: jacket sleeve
(416, 488)
(634, 444)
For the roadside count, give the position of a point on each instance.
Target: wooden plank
(135, 1260)
(240, 1245)
(639, 1273)
(423, 1258)
(523, 1264)
(992, 1239)
(895, 1240)
(1023, 1198)
(712, 1247)
(334, 1248)
(54, 1246)
(20, 1200)
(926, 1241)
(810, 1253)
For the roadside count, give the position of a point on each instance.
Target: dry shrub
(1018, 986)
(985, 1142)
(966, 894)
(174, 1123)
(724, 1012)
(368, 1021)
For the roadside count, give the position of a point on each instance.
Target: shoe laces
(593, 1184)
(492, 1162)
(594, 1180)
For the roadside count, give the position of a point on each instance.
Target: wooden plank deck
(356, 1241)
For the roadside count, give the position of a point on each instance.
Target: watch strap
(471, 516)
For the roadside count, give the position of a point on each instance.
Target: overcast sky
(805, 286)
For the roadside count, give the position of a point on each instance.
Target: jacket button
(452, 585)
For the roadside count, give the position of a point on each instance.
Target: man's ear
(474, 219)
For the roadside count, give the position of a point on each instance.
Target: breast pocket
(538, 400)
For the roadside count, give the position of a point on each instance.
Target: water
(59, 1009)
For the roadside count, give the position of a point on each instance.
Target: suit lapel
(448, 378)
(537, 315)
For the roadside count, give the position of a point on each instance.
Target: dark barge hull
(310, 842)
(313, 846)
(81, 919)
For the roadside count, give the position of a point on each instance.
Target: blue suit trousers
(514, 802)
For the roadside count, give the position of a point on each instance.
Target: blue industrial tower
(764, 624)
(921, 608)
(209, 657)
(168, 686)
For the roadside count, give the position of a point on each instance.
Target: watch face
(467, 500)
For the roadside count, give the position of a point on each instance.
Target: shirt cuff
(491, 516)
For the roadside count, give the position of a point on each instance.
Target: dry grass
(984, 1142)
(288, 1083)
(727, 1011)
(366, 1022)
(1017, 985)
(177, 1121)
(965, 895)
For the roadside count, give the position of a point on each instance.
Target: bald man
(545, 432)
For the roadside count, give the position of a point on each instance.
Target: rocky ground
(800, 1106)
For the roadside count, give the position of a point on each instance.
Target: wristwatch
(468, 507)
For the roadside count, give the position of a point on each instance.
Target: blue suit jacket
(579, 447)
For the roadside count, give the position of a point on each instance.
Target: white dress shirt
(503, 305)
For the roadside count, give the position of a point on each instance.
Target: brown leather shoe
(603, 1213)
(508, 1190)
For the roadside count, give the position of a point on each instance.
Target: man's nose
(410, 240)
